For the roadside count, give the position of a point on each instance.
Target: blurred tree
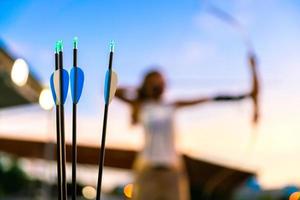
(14, 179)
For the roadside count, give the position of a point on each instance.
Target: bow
(252, 61)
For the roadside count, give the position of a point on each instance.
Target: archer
(160, 173)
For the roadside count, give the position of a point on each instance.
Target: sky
(199, 54)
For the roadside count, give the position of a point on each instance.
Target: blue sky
(147, 33)
(200, 55)
(139, 29)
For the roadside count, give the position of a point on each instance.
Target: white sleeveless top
(157, 120)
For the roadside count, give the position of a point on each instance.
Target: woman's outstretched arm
(121, 94)
(217, 98)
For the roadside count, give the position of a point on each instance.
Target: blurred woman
(160, 173)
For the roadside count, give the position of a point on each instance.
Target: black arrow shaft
(62, 128)
(103, 140)
(58, 143)
(74, 131)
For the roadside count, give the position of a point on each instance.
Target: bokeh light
(295, 196)
(128, 190)
(45, 99)
(20, 72)
(89, 192)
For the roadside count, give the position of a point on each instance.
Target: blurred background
(200, 53)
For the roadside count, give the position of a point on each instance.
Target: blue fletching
(106, 90)
(110, 93)
(56, 84)
(78, 75)
(53, 88)
(65, 76)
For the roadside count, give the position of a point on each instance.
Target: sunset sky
(199, 54)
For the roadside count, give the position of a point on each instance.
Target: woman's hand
(121, 94)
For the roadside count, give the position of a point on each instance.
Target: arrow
(109, 91)
(61, 88)
(77, 80)
(58, 138)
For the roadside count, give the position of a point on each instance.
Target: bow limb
(255, 91)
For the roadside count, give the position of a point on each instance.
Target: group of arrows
(59, 84)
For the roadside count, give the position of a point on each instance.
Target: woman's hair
(142, 95)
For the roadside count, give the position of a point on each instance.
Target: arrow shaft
(103, 140)
(102, 152)
(74, 131)
(62, 129)
(58, 144)
(74, 152)
(58, 154)
(74, 57)
(63, 152)
(111, 57)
